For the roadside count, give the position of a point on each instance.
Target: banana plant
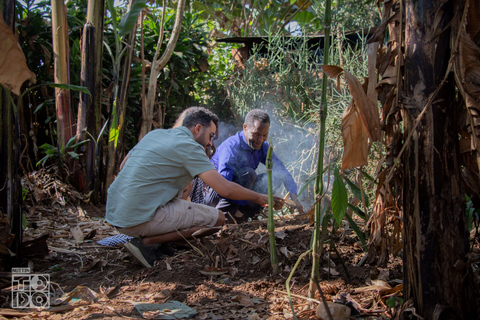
(61, 72)
(122, 53)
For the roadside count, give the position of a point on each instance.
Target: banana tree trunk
(11, 233)
(437, 276)
(89, 108)
(61, 72)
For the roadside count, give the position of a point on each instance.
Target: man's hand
(278, 202)
(297, 203)
(299, 207)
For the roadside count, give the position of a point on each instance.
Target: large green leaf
(357, 192)
(113, 13)
(128, 21)
(303, 17)
(69, 86)
(357, 230)
(339, 198)
(359, 212)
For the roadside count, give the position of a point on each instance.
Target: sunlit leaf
(303, 17)
(113, 13)
(113, 136)
(180, 54)
(129, 20)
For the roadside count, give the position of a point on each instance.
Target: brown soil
(224, 276)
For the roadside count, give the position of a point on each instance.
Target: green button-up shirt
(159, 167)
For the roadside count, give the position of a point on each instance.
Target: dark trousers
(247, 178)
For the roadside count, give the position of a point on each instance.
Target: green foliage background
(202, 71)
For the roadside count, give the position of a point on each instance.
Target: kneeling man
(145, 202)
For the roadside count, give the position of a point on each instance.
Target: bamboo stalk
(317, 243)
(271, 223)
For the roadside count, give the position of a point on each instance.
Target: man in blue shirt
(237, 158)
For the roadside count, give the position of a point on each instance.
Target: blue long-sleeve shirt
(235, 153)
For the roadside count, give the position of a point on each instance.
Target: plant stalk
(317, 243)
(271, 223)
(120, 97)
(61, 73)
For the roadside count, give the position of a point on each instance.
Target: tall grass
(283, 76)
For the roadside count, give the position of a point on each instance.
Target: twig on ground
(325, 304)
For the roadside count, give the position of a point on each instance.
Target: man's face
(207, 135)
(256, 134)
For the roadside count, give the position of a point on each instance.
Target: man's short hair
(256, 115)
(199, 115)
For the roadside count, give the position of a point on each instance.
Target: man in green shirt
(145, 202)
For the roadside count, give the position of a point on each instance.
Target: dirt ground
(223, 276)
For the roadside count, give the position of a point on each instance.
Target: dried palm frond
(467, 76)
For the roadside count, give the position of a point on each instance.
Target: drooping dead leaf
(367, 109)
(355, 139)
(332, 71)
(13, 67)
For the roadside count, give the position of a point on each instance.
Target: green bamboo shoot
(271, 223)
(317, 243)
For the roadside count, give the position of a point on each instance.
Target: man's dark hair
(256, 115)
(199, 115)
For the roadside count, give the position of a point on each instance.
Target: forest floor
(227, 275)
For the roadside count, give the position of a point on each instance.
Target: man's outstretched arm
(234, 191)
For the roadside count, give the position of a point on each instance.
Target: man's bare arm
(234, 191)
(123, 162)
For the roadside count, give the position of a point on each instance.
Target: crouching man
(145, 202)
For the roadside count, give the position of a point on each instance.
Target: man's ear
(244, 126)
